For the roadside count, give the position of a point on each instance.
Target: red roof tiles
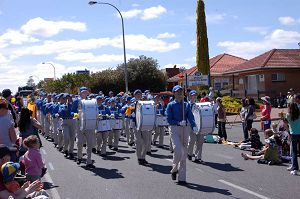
(276, 58)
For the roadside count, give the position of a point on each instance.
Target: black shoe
(145, 161)
(98, 151)
(161, 147)
(110, 146)
(131, 144)
(189, 157)
(60, 149)
(141, 161)
(55, 145)
(181, 182)
(199, 161)
(171, 151)
(79, 161)
(114, 149)
(91, 166)
(84, 145)
(174, 175)
(103, 155)
(71, 156)
(149, 153)
(94, 150)
(66, 153)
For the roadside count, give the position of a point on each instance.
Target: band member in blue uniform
(178, 113)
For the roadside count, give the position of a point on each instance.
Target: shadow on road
(161, 156)
(207, 189)
(115, 158)
(159, 168)
(105, 173)
(125, 151)
(49, 185)
(222, 167)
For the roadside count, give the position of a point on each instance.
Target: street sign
(198, 80)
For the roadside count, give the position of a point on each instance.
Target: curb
(256, 120)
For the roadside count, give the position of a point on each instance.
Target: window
(218, 86)
(225, 84)
(278, 77)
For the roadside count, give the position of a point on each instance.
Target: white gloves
(56, 115)
(133, 114)
(182, 123)
(195, 130)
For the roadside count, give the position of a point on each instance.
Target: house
(270, 73)
(218, 66)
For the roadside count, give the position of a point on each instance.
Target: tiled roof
(218, 64)
(276, 58)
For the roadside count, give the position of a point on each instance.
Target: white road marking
(44, 152)
(224, 156)
(53, 190)
(243, 189)
(51, 166)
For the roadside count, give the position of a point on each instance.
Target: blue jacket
(160, 110)
(55, 109)
(175, 113)
(47, 108)
(39, 104)
(65, 111)
(103, 110)
(116, 111)
(75, 105)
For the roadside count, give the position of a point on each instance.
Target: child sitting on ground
(34, 165)
(269, 153)
(254, 142)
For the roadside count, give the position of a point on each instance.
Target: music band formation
(98, 122)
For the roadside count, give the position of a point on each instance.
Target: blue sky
(73, 35)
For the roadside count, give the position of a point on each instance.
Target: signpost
(198, 80)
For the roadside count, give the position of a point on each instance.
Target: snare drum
(104, 125)
(116, 124)
(161, 120)
(89, 115)
(204, 117)
(145, 115)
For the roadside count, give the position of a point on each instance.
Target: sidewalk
(274, 115)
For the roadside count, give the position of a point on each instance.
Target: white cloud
(3, 59)
(193, 43)
(15, 37)
(215, 18)
(135, 5)
(146, 14)
(190, 59)
(133, 42)
(287, 20)
(153, 12)
(257, 29)
(47, 28)
(248, 49)
(91, 58)
(166, 35)
(131, 13)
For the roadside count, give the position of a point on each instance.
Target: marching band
(98, 122)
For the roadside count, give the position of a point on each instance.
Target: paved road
(224, 175)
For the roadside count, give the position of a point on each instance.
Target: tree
(144, 74)
(30, 82)
(202, 54)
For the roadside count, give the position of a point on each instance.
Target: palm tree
(202, 54)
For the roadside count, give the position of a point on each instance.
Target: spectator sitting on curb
(269, 153)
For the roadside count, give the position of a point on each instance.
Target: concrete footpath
(274, 115)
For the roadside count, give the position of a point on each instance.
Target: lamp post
(124, 49)
(52, 66)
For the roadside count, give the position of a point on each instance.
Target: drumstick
(183, 106)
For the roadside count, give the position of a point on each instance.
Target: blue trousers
(295, 141)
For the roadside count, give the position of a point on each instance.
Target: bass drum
(145, 115)
(204, 117)
(88, 115)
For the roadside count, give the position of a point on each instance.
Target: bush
(231, 102)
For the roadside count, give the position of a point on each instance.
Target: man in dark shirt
(6, 93)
